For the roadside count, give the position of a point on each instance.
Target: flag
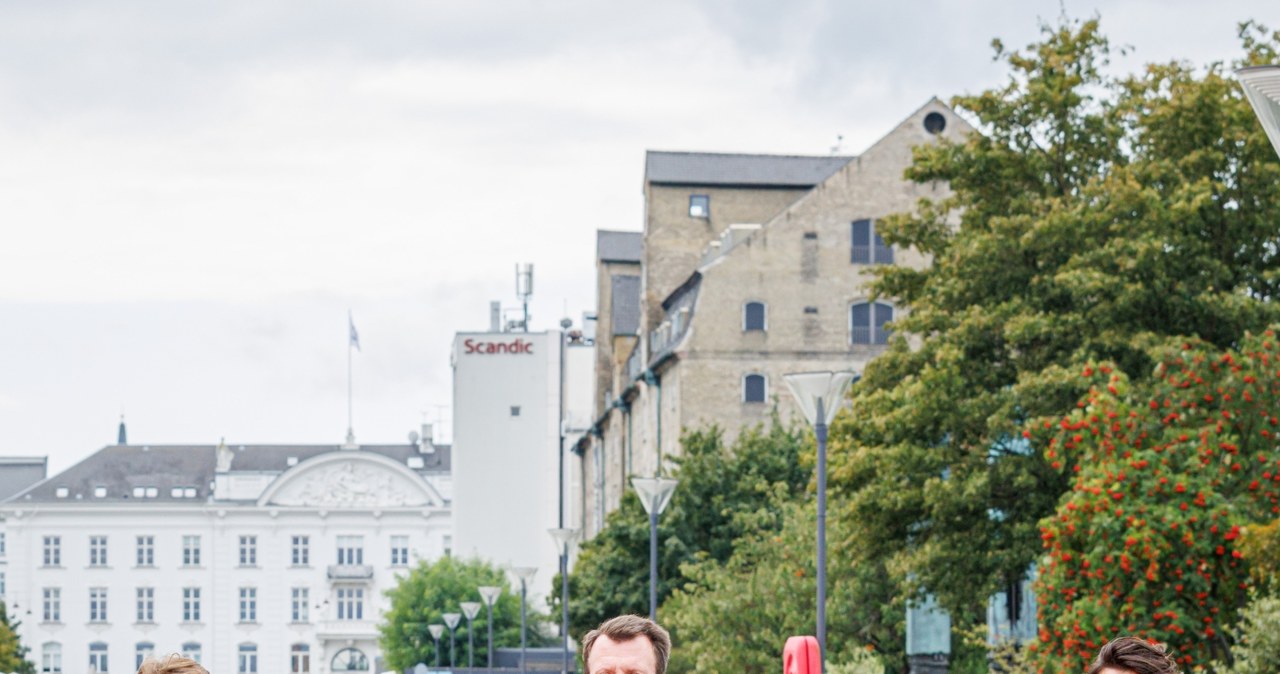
(355, 336)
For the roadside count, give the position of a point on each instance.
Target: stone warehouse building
(749, 267)
(251, 559)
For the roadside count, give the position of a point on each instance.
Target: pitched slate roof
(614, 246)
(761, 170)
(120, 468)
(625, 291)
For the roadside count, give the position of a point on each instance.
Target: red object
(801, 656)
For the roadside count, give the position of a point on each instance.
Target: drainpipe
(653, 380)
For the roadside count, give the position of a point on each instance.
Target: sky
(194, 195)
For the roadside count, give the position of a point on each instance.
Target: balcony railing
(350, 572)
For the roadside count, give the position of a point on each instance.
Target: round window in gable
(934, 123)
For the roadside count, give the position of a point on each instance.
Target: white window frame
(191, 550)
(300, 609)
(193, 650)
(706, 213)
(247, 659)
(248, 604)
(300, 659)
(350, 550)
(51, 604)
(350, 603)
(51, 657)
(146, 551)
(98, 551)
(399, 551)
(764, 319)
(248, 551)
(190, 604)
(763, 376)
(300, 550)
(52, 551)
(97, 604)
(98, 661)
(146, 604)
(142, 650)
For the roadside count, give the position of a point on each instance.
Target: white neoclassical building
(263, 559)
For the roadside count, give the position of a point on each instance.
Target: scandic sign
(517, 346)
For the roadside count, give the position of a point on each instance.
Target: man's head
(1131, 655)
(627, 644)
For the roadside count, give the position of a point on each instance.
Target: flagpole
(352, 342)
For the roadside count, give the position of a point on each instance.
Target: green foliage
(1098, 220)
(720, 490)
(430, 590)
(858, 662)
(735, 616)
(1257, 648)
(13, 654)
(1164, 477)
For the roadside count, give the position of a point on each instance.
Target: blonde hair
(171, 664)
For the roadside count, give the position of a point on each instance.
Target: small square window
(699, 206)
(61, 492)
(100, 492)
(811, 310)
(515, 410)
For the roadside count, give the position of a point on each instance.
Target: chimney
(426, 443)
(495, 316)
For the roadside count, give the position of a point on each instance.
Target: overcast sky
(193, 194)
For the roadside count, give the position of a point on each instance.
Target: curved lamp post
(563, 539)
(489, 593)
(436, 630)
(1262, 86)
(451, 620)
(470, 609)
(819, 395)
(655, 493)
(525, 575)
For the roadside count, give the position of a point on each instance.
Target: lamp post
(1262, 86)
(451, 620)
(470, 609)
(655, 493)
(525, 575)
(819, 395)
(489, 593)
(563, 538)
(436, 630)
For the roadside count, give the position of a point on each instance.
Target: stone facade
(796, 252)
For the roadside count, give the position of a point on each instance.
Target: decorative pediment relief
(350, 482)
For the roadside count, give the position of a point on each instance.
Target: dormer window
(699, 206)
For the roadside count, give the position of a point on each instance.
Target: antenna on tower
(524, 289)
(839, 146)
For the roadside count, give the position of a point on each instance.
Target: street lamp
(451, 619)
(563, 538)
(819, 395)
(1262, 86)
(489, 593)
(525, 575)
(470, 609)
(436, 630)
(655, 493)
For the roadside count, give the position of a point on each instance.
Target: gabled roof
(614, 246)
(756, 170)
(120, 468)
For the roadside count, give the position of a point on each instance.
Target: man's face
(633, 656)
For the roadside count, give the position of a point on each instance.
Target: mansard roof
(744, 170)
(121, 468)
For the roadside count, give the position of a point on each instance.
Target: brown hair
(1136, 655)
(171, 664)
(626, 628)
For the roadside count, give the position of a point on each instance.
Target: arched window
(192, 650)
(248, 660)
(98, 658)
(51, 658)
(300, 659)
(753, 388)
(349, 660)
(142, 651)
(866, 323)
(754, 317)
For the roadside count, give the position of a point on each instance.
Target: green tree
(430, 590)
(1165, 476)
(13, 654)
(735, 616)
(720, 488)
(1092, 219)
